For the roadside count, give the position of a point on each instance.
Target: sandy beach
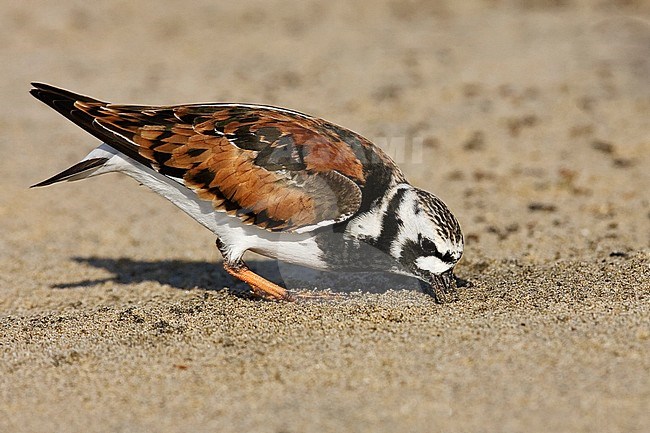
(530, 119)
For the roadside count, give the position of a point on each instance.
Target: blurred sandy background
(530, 118)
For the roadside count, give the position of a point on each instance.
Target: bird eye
(428, 247)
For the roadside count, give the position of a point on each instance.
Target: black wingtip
(69, 173)
(49, 94)
(71, 106)
(39, 85)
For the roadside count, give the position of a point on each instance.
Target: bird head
(428, 241)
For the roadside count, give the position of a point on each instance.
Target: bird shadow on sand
(187, 275)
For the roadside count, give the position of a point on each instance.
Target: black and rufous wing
(278, 169)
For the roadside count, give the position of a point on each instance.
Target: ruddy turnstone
(274, 181)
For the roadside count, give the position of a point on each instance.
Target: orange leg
(261, 286)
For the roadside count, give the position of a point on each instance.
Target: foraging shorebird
(274, 181)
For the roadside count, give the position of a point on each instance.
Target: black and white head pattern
(416, 228)
(429, 236)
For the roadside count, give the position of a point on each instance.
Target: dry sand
(529, 118)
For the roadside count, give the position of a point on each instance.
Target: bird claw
(317, 296)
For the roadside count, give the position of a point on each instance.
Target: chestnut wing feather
(277, 169)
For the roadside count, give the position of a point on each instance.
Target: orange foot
(261, 286)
